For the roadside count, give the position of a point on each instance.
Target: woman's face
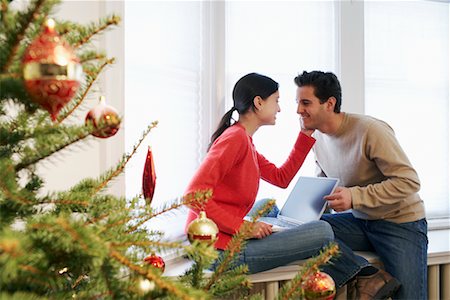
(269, 109)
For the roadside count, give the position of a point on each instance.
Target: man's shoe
(380, 285)
(351, 289)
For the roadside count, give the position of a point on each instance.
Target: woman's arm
(283, 175)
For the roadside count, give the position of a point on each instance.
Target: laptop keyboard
(277, 222)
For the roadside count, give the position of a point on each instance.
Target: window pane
(162, 83)
(407, 85)
(279, 39)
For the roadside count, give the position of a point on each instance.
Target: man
(379, 185)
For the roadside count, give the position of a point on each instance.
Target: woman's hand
(261, 230)
(308, 132)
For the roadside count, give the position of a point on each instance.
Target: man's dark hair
(325, 85)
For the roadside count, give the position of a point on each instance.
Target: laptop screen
(305, 202)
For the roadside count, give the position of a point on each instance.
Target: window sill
(438, 224)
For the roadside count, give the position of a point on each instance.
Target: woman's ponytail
(225, 122)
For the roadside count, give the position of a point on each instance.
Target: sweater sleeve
(283, 175)
(401, 180)
(221, 157)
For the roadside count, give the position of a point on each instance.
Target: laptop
(305, 203)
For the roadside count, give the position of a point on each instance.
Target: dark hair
(244, 91)
(325, 85)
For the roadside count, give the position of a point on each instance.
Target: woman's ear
(257, 102)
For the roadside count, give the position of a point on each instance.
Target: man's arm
(401, 180)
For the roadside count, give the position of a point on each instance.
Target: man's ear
(257, 102)
(331, 103)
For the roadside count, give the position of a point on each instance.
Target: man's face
(312, 113)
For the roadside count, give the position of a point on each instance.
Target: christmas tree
(86, 243)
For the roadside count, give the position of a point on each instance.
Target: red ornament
(51, 71)
(319, 286)
(149, 177)
(155, 261)
(104, 118)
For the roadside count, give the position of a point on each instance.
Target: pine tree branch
(14, 39)
(92, 78)
(150, 275)
(199, 197)
(12, 89)
(41, 283)
(107, 280)
(237, 243)
(233, 247)
(64, 225)
(10, 75)
(105, 179)
(75, 236)
(8, 185)
(98, 219)
(3, 12)
(83, 34)
(10, 196)
(66, 202)
(89, 56)
(232, 284)
(30, 269)
(53, 148)
(155, 214)
(169, 245)
(126, 220)
(294, 287)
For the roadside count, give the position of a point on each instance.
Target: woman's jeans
(401, 247)
(301, 242)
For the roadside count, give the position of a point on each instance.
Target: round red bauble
(104, 118)
(156, 261)
(51, 70)
(319, 286)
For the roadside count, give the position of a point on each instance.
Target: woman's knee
(318, 233)
(325, 231)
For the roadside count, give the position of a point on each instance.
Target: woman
(232, 169)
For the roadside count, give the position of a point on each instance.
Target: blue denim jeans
(401, 247)
(301, 242)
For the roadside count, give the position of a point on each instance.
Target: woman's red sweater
(232, 169)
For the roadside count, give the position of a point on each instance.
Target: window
(279, 39)
(183, 58)
(407, 85)
(162, 82)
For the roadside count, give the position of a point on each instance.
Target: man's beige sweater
(365, 155)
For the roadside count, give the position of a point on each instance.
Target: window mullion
(350, 54)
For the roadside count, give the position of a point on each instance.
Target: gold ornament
(202, 229)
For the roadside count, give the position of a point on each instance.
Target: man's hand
(340, 200)
(261, 230)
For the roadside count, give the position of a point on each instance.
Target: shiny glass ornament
(202, 229)
(51, 70)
